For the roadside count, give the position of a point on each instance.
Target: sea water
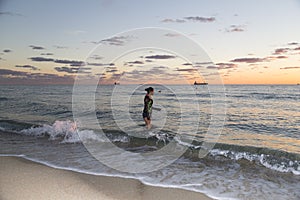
(256, 156)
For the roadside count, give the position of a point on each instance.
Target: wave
(67, 132)
(268, 161)
(3, 99)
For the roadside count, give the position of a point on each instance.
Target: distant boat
(298, 83)
(200, 83)
(117, 83)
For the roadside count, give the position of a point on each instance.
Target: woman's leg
(147, 122)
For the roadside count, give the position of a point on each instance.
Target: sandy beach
(23, 179)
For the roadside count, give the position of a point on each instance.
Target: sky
(52, 42)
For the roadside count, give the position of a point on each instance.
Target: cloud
(4, 72)
(191, 19)
(168, 20)
(134, 63)
(277, 57)
(187, 70)
(96, 57)
(286, 50)
(297, 49)
(281, 51)
(72, 63)
(186, 64)
(27, 66)
(290, 68)
(160, 67)
(114, 41)
(73, 70)
(11, 14)
(160, 57)
(281, 57)
(235, 28)
(201, 19)
(96, 64)
(203, 63)
(47, 54)
(172, 35)
(212, 67)
(226, 65)
(111, 70)
(41, 59)
(17, 77)
(248, 60)
(59, 47)
(155, 73)
(34, 47)
(7, 51)
(293, 43)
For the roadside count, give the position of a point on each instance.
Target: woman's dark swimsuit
(147, 107)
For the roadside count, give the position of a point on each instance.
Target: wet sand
(23, 179)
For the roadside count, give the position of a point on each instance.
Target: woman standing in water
(148, 102)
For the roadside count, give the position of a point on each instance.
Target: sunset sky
(248, 42)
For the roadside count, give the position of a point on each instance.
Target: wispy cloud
(7, 50)
(136, 62)
(59, 47)
(187, 70)
(203, 63)
(235, 28)
(293, 43)
(201, 19)
(226, 65)
(290, 68)
(277, 57)
(249, 60)
(172, 35)
(27, 67)
(115, 41)
(73, 70)
(47, 54)
(190, 19)
(168, 20)
(96, 57)
(297, 49)
(73, 63)
(41, 59)
(34, 47)
(186, 64)
(100, 64)
(160, 57)
(11, 14)
(281, 51)
(8, 76)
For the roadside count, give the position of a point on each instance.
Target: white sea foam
(262, 158)
(66, 131)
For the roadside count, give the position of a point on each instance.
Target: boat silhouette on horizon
(203, 83)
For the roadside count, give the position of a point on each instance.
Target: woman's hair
(149, 89)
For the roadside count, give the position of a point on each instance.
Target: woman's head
(150, 90)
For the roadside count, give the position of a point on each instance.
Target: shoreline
(24, 179)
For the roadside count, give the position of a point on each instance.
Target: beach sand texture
(23, 179)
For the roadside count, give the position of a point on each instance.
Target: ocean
(256, 154)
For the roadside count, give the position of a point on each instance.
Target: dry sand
(21, 179)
